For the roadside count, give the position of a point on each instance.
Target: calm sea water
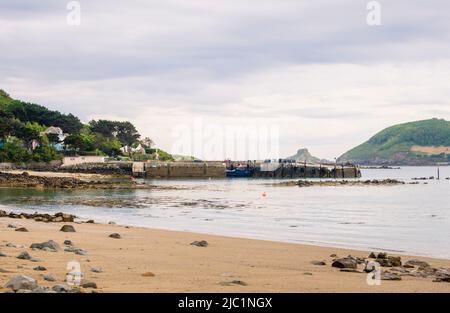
(412, 219)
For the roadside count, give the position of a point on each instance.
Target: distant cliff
(424, 142)
(303, 155)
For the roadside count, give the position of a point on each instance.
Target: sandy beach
(172, 264)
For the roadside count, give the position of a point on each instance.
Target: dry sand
(180, 267)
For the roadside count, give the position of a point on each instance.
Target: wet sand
(178, 266)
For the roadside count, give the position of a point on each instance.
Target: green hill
(415, 143)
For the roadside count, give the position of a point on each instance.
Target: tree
(124, 131)
(14, 151)
(30, 112)
(147, 143)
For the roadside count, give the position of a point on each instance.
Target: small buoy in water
(264, 194)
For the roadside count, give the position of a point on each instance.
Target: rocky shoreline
(311, 183)
(25, 180)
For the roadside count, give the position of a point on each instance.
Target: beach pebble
(96, 270)
(333, 255)
(67, 229)
(112, 223)
(21, 282)
(75, 250)
(148, 274)
(22, 229)
(68, 242)
(47, 246)
(2, 254)
(24, 256)
(49, 278)
(233, 282)
(318, 263)
(90, 222)
(12, 226)
(348, 262)
(40, 268)
(61, 288)
(88, 284)
(115, 236)
(11, 245)
(202, 243)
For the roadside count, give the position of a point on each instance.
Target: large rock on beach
(21, 282)
(348, 262)
(47, 245)
(67, 229)
(24, 256)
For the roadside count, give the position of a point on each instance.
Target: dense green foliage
(23, 136)
(400, 138)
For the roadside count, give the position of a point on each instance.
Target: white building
(67, 161)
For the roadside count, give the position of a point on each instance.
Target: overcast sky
(313, 73)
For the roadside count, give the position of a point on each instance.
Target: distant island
(425, 142)
(303, 155)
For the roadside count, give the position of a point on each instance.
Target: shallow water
(413, 219)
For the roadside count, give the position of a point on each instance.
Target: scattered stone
(24, 256)
(75, 250)
(90, 222)
(201, 243)
(67, 229)
(415, 262)
(112, 223)
(115, 236)
(3, 270)
(334, 255)
(233, 282)
(68, 242)
(319, 263)
(12, 226)
(40, 268)
(96, 270)
(88, 284)
(22, 229)
(2, 254)
(308, 273)
(372, 255)
(49, 278)
(21, 282)
(11, 245)
(382, 255)
(390, 276)
(148, 274)
(348, 262)
(61, 288)
(47, 245)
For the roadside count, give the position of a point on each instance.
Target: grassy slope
(400, 138)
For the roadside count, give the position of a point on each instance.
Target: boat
(240, 172)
